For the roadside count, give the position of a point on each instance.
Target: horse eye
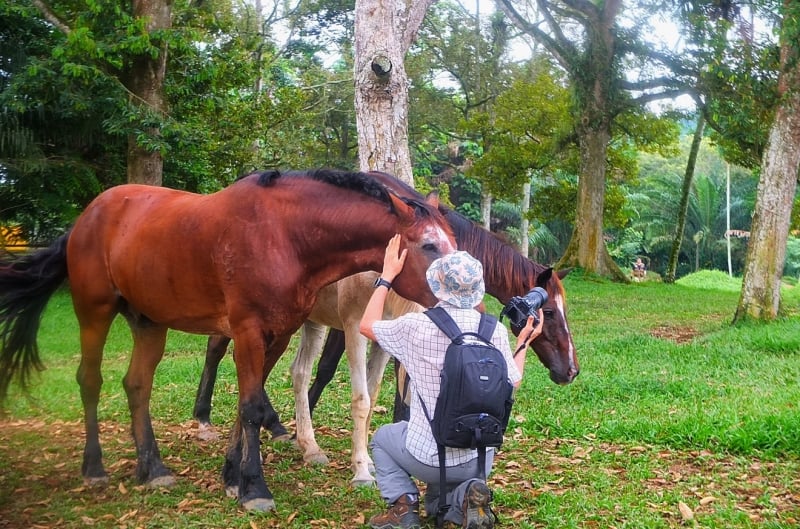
(429, 247)
(548, 314)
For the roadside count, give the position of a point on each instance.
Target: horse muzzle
(562, 379)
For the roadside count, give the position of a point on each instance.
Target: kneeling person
(407, 449)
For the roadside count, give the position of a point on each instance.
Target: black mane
(493, 252)
(365, 183)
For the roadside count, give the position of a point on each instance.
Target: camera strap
(523, 346)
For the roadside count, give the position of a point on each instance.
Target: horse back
(174, 257)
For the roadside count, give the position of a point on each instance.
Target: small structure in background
(11, 239)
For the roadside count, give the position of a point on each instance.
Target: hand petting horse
(340, 306)
(246, 262)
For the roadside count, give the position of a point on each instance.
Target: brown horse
(246, 262)
(507, 273)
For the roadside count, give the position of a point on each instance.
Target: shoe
(477, 512)
(402, 514)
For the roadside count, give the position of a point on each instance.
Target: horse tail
(26, 285)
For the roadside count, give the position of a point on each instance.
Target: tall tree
(586, 39)
(384, 31)
(766, 252)
(141, 71)
(683, 207)
(144, 77)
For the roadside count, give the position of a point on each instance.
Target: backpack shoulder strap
(445, 322)
(486, 327)
(442, 319)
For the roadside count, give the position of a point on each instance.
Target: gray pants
(394, 468)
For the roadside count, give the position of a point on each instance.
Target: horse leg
(402, 409)
(93, 334)
(272, 421)
(356, 348)
(148, 349)
(215, 350)
(311, 339)
(332, 353)
(376, 365)
(242, 473)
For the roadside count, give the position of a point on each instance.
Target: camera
(520, 307)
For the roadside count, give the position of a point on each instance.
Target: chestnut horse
(246, 262)
(507, 273)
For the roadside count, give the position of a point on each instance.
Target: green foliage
(652, 201)
(54, 153)
(466, 194)
(66, 116)
(554, 198)
(738, 72)
(523, 132)
(791, 266)
(712, 280)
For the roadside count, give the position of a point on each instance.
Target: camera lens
(536, 298)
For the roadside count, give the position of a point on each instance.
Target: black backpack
(475, 397)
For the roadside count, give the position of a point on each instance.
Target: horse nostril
(573, 373)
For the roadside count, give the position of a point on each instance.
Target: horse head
(427, 236)
(554, 346)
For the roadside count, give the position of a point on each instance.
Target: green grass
(673, 406)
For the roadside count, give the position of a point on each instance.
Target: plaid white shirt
(420, 346)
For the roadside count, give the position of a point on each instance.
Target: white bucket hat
(457, 279)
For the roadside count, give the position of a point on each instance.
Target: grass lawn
(678, 419)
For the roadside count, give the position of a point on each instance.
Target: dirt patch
(678, 335)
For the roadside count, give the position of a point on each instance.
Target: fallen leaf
(707, 500)
(686, 512)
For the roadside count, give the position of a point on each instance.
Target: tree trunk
(486, 210)
(683, 208)
(766, 251)
(145, 80)
(525, 228)
(384, 30)
(587, 248)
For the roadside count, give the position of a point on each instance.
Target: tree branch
(559, 46)
(657, 96)
(51, 17)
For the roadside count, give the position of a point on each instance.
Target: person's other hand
(532, 331)
(394, 259)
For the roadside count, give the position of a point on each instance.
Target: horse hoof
(96, 483)
(319, 459)
(206, 432)
(285, 438)
(259, 505)
(162, 482)
(232, 491)
(361, 482)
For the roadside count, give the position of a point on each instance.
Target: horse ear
(433, 199)
(403, 209)
(563, 273)
(544, 277)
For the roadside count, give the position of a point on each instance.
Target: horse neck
(506, 272)
(355, 247)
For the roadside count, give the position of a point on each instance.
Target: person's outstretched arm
(393, 263)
